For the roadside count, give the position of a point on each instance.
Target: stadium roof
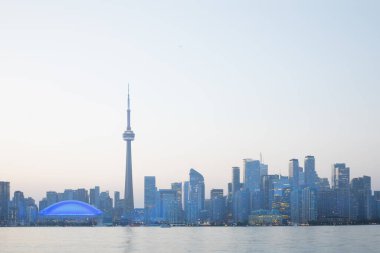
(70, 208)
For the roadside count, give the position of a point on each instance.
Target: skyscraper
(310, 174)
(235, 179)
(361, 197)
(252, 175)
(218, 206)
(177, 186)
(341, 184)
(94, 196)
(196, 195)
(4, 202)
(128, 136)
(294, 171)
(150, 191)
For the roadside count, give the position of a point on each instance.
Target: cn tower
(128, 136)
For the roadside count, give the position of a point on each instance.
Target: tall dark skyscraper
(128, 136)
(4, 202)
(235, 179)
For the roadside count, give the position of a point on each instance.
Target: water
(363, 239)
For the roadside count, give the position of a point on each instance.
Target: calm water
(362, 239)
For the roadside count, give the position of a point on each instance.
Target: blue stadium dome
(70, 208)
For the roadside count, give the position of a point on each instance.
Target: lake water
(362, 239)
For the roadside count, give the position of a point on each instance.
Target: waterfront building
(168, 207)
(309, 205)
(186, 200)
(177, 186)
(150, 191)
(128, 136)
(217, 207)
(71, 210)
(294, 171)
(341, 184)
(229, 211)
(361, 199)
(241, 208)
(326, 202)
(4, 202)
(31, 214)
(376, 205)
(18, 209)
(265, 218)
(117, 207)
(196, 197)
(236, 187)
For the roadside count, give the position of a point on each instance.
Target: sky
(212, 83)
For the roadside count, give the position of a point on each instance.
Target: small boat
(165, 225)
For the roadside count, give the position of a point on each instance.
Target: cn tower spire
(129, 112)
(128, 136)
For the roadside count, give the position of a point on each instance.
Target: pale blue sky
(212, 82)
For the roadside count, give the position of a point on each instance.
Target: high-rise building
(94, 196)
(294, 171)
(128, 136)
(235, 179)
(177, 186)
(326, 202)
(150, 191)
(18, 208)
(268, 182)
(361, 199)
(196, 197)
(341, 184)
(217, 206)
(294, 180)
(68, 194)
(309, 205)
(186, 199)
(168, 207)
(310, 173)
(4, 202)
(51, 198)
(252, 175)
(241, 206)
(118, 206)
(263, 169)
(81, 195)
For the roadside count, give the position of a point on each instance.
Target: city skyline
(213, 84)
(260, 198)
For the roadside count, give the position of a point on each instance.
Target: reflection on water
(191, 239)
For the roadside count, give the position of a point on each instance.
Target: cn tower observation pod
(70, 209)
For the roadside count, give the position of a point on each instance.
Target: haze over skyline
(212, 83)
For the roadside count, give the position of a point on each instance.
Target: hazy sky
(212, 83)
